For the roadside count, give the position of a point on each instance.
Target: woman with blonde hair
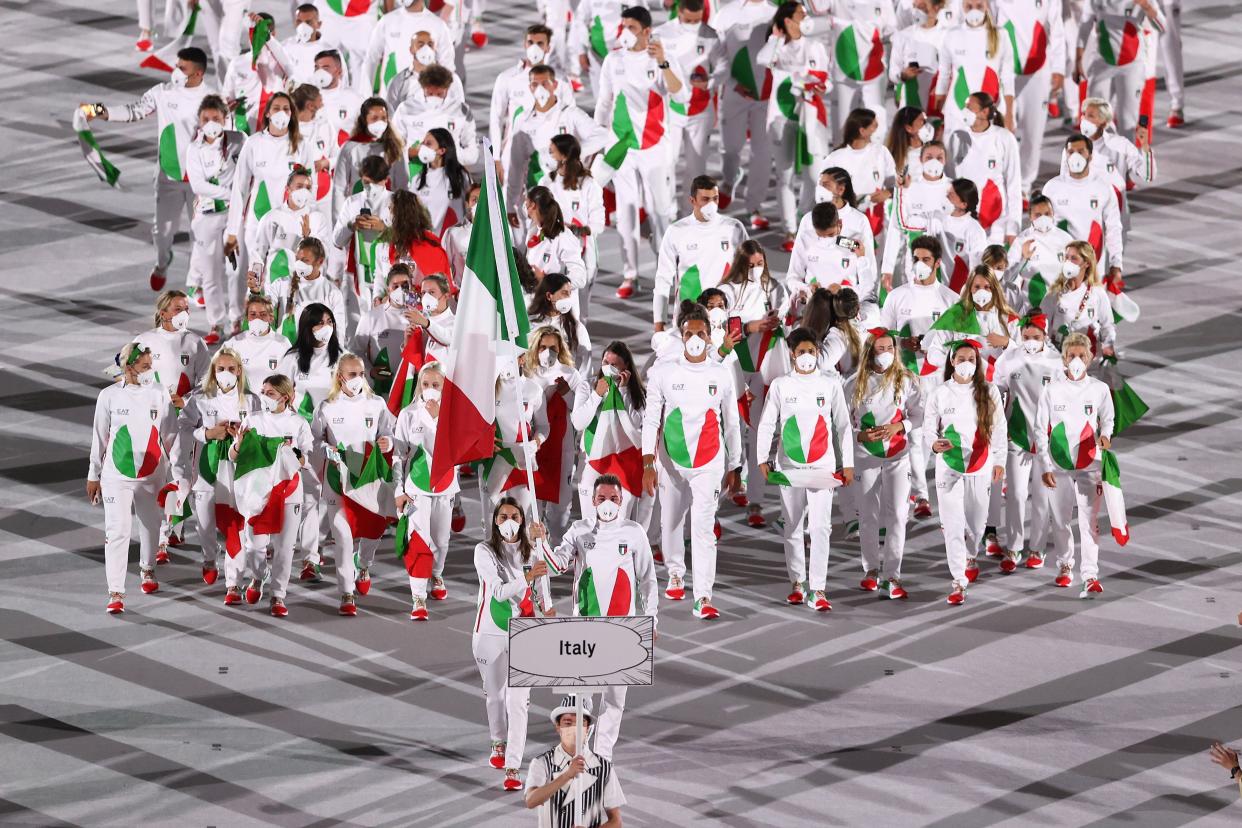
(975, 57)
(964, 425)
(208, 426)
(133, 432)
(429, 502)
(982, 313)
(351, 427)
(550, 364)
(886, 407)
(1078, 303)
(276, 419)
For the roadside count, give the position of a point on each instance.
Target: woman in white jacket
(551, 247)
(616, 369)
(550, 365)
(1078, 303)
(582, 205)
(964, 425)
(809, 410)
(132, 435)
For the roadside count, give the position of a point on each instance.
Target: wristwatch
(1233, 774)
(663, 65)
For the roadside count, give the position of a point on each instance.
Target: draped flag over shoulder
(612, 443)
(264, 478)
(411, 546)
(107, 172)
(491, 323)
(804, 104)
(1114, 502)
(165, 58)
(363, 479)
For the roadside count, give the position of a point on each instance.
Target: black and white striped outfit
(600, 790)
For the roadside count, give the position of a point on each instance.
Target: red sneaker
(676, 590)
(278, 608)
(149, 584)
(232, 596)
(477, 36)
(158, 280)
(210, 573)
(972, 570)
(1175, 120)
(116, 603)
(458, 520)
(254, 591)
(438, 590)
(757, 520)
(957, 596)
(820, 603)
(363, 582)
(419, 613)
(896, 591)
(1065, 577)
(740, 499)
(465, 470)
(161, 555)
(758, 222)
(512, 781)
(174, 540)
(626, 290)
(870, 582)
(212, 337)
(922, 509)
(1034, 561)
(787, 245)
(144, 43)
(310, 571)
(991, 545)
(497, 759)
(576, 83)
(1008, 564)
(795, 595)
(704, 610)
(348, 606)
(1091, 588)
(1054, 109)
(657, 555)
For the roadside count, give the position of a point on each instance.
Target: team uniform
(694, 256)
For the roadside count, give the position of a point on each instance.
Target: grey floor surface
(1025, 707)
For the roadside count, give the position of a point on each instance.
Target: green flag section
(597, 38)
(209, 458)
(363, 479)
(1072, 453)
(419, 473)
(136, 456)
(534, 171)
(692, 444)
(413, 356)
(289, 330)
(176, 507)
(620, 596)
(350, 8)
(958, 318)
(1020, 428)
(306, 405)
(957, 458)
(169, 157)
(1128, 406)
(279, 264)
(1028, 58)
(104, 169)
(1114, 502)
(385, 71)
(241, 122)
(756, 349)
(588, 602)
(381, 380)
(612, 444)
(636, 127)
(500, 612)
(1117, 48)
(889, 447)
(742, 71)
(690, 285)
(262, 204)
(1036, 290)
(412, 549)
(260, 34)
(805, 446)
(265, 477)
(860, 53)
(989, 82)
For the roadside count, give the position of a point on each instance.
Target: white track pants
(1031, 113)
(174, 200)
(700, 491)
(608, 727)
(645, 180)
(491, 654)
(743, 120)
(1122, 86)
(883, 501)
(125, 500)
(963, 503)
(1078, 490)
(282, 544)
(433, 518)
(1026, 497)
(207, 264)
(807, 510)
(1171, 55)
(346, 572)
(690, 143)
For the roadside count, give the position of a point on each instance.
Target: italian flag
(805, 106)
(612, 444)
(384, 73)
(136, 456)
(241, 121)
(592, 591)
(859, 53)
(549, 475)
(1036, 289)
(412, 548)
(806, 478)
(764, 352)
(265, 476)
(1117, 48)
(1036, 52)
(991, 204)
(260, 34)
(413, 356)
(742, 67)
(262, 203)
(165, 59)
(803, 442)
(491, 324)
(1114, 502)
(419, 473)
(1072, 452)
(363, 479)
(279, 264)
(598, 39)
(1094, 235)
(104, 169)
(176, 506)
(963, 88)
(956, 319)
(957, 458)
(889, 447)
(350, 8)
(635, 127)
(1128, 406)
(692, 441)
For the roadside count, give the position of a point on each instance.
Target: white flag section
(491, 325)
(581, 652)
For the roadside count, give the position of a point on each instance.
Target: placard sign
(581, 651)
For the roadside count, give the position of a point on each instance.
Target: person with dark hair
(855, 33)
(692, 417)
(642, 174)
(911, 130)
(964, 426)
(699, 50)
(926, 194)
(373, 135)
(977, 57)
(511, 88)
(408, 238)
(915, 54)
(829, 260)
(1041, 248)
(551, 780)
(835, 188)
(382, 330)
(1038, 36)
(388, 52)
(406, 86)
(696, 251)
(317, 132)
(808, 409)
(551, 248)
(581, 200)
(431, 109)
(442, 182)
(305, 282)
(593, 34)
(360, 221)
(553, 304)
(210, 165)
(1085, 203)
(456, 239)
(308, 39)
(959, 232)
(871, 167)
(617, 369)
(987, 153)
(175, 104)
(280, 231)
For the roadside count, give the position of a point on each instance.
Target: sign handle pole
(579, 737)
(534, 501)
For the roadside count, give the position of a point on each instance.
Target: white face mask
(178, 78)
(718, 337)
(607, 511)
(1086, 127)
(355, 385)
(302, 269)
(1077, 162)
(180, 321)
(974, 18)
(299, 198)
(430, 303)
(226, 379)
(1032, 346)
(377, 129)
(822, 194)
(426, 154)
(542, 96)
(323, 334)
(509, 529)
(981, 297)
(547, 163)
(564, 305)
(807, 26)
(304, 32)
(969, 117)
(695, 346)
(322, 78)
(756, 272)
(609, 370)
(425, 55)
(806, 363)
(212, 129)
(278, 120)
(884, 360)
(535, 54)
(1042, 223)
(1070, 270)
(431, 395)
(258, 327)
(147, 378)
(548, 357)
(922, 271)
(432, 102)
(717, 317)
(374, 191)
(404, 4)
(709, 210)
(270, 405)
(918, 16)
(927, 132)
(397, 296)
(627, 39)
(965, 370)
(933, 168)
(1077, 368)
